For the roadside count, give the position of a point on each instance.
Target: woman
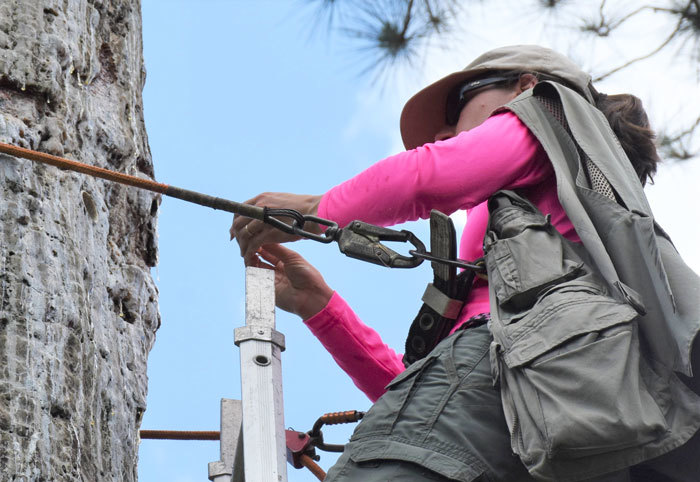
(441, 419)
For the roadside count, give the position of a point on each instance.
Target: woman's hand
(251, 233)
(299, 287)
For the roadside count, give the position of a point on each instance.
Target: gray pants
(442, 420)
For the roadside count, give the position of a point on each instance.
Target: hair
(630, 123)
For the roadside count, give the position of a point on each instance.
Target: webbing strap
(441, 303)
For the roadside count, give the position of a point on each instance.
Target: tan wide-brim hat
(423, 115)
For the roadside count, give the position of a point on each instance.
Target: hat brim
(423, 116)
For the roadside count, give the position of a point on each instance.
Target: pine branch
(603, 27)
(642, 57)
(676, 147)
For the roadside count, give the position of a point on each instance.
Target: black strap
(430, 326)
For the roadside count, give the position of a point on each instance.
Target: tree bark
(78, 306)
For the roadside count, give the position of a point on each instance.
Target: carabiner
(362, 241)
(270, 216)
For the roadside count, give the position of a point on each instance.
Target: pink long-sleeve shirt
(458, 173)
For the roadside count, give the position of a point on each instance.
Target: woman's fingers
(299, 287)
(245, 228)
(299, 271)
(251, 234)
(255, 262)
(268, 256)
(239, 222)
(280, 253)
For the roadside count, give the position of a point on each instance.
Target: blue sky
(240, 98)
(243, 97)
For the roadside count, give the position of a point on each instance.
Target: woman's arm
(449, 175)
(457, 173)
(357, 349)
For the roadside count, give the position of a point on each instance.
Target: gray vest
(631, 252)
(629, 248)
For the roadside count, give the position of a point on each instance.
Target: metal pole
(229, 442)
(264, 442)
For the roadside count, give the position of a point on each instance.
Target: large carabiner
(362, 241)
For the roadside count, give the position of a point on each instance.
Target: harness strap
(443, 298)
(441, 303)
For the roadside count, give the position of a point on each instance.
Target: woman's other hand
(299, 287)
(251, 233)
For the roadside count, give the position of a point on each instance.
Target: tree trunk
(78, 307)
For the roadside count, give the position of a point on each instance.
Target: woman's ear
(526, 81)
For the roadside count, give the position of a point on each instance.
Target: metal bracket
(260, 333)
(441, 303)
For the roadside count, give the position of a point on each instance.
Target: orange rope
(305, 460)
(84, 168)
(179, 435)
(247, 210)
(312, 466)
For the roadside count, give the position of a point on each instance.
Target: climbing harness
(357, 240)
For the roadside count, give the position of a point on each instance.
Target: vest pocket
(522, 267)
(565, 351)
(580, 394)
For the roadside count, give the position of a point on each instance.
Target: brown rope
(179, 435)
(307, 462)
(84, 168)
(246, 210)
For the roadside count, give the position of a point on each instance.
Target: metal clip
(296, 226)
(362, 241)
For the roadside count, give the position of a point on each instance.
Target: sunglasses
(458, 97)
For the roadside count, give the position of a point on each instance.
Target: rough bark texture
(78, 307)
